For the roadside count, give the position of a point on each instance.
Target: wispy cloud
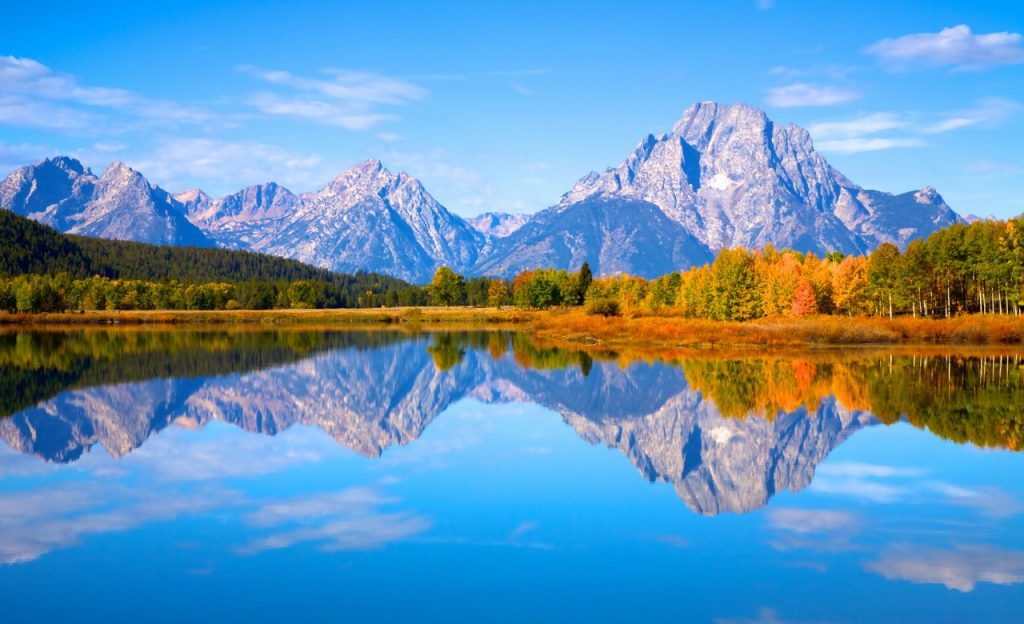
(16, 110)
(803, 94)
(176, 162)
(36, 96)
(343, 98)
(859, 134)
(961, 568)
(957, 47)
(886, 130)
(988, 112)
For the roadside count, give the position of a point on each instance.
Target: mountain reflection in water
(728, 432)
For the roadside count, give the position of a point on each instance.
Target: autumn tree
(498, 293)
(447, 288)
(804, 300)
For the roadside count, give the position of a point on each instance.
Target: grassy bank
(576, 327)
(780, 332)
(337, 317)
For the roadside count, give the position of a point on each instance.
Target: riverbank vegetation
(776, 296)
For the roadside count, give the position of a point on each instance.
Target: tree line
(43, 270)
(964, 268)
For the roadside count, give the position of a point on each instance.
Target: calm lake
(182, 476)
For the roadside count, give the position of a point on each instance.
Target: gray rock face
(879, 217)
(368, 218)
(498, 224)
(244, 219)
(732, 177)
(120, 204)
(614, 235)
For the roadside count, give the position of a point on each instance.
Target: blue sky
(503, 106)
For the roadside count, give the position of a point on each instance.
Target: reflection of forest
(35, 366)
(966, 396)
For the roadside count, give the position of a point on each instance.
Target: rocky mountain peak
(699, 123)
(68, 164)
(928, 195)
(193, 200)
(498, 224)
(731, 177)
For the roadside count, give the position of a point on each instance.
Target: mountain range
(724, 176)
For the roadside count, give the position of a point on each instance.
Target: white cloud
(856, 146)
(960, 568)
(955, 47)
(988, 112)
(805, 94)
(856, 126)
(35, 95)
(884, 130)
(317, 111)
(23, 112)
(178, 162)
(343, 98)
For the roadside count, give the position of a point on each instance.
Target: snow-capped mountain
(370, 219)
(243, 219)
(120, 204)
(724, 176)
(732, 177)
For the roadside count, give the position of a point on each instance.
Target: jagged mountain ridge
(725, 175)
(120, 204)
(732, 177)
(498, 224)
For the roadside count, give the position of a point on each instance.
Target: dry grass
(780, 332)
(576, 327)
(326, 318)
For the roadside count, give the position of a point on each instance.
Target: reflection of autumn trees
(965, 397)
(977, 399)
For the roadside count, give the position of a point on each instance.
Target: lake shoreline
(575, 327)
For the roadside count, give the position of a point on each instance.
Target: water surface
(380, 476)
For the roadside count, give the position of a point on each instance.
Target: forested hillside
(108, 267)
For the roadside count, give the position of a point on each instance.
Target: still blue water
(426, 479)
